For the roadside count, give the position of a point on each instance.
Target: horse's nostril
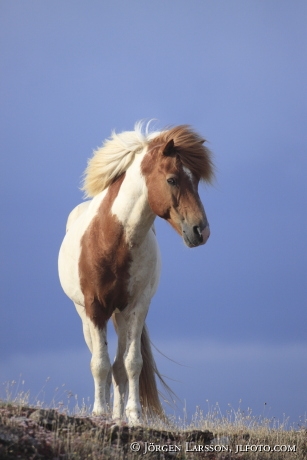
(197, 232)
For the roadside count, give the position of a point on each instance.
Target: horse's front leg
(101, 369)
(133, 361)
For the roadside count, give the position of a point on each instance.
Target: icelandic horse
(109, 262)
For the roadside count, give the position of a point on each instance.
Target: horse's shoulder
(76, 212)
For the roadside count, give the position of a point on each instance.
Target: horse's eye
(172, 181)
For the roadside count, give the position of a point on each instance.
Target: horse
(109, 261)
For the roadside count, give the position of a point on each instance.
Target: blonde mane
(112, 159)
(117, 153)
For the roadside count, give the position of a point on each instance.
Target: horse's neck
(131, 206)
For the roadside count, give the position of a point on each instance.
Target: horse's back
(76, 212)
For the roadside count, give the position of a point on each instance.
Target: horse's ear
(169, 148)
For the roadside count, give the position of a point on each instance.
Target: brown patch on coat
(104, 262)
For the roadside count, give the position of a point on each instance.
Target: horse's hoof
(101, 414)
(134, 419)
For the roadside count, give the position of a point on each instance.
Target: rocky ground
(31, 433)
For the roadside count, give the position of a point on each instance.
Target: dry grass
(33, 432)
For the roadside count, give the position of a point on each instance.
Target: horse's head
(173, 166)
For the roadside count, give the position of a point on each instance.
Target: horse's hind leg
(133, 359)
(86, 329)
(120, 379)
(96, 341)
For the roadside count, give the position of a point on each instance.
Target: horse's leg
(100, 367)
(96, 341)
(119, 372)
(133, 360)
(85, 325)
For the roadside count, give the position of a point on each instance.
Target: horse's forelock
(190, 148)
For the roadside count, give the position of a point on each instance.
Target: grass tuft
(56, 432)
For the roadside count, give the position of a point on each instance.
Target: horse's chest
(104, 274)
(114, 275)
(144, 270)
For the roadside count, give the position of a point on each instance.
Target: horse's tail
(149, 394)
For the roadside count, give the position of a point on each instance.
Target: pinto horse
(109, 262)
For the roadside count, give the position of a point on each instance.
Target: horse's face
(173, 194)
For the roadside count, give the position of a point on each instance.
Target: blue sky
(233, 312)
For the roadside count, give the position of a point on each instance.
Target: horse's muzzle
(205, 233)
(196, 235)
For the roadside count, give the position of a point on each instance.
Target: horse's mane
(189, 146)
(116, 154)
(113, 158)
